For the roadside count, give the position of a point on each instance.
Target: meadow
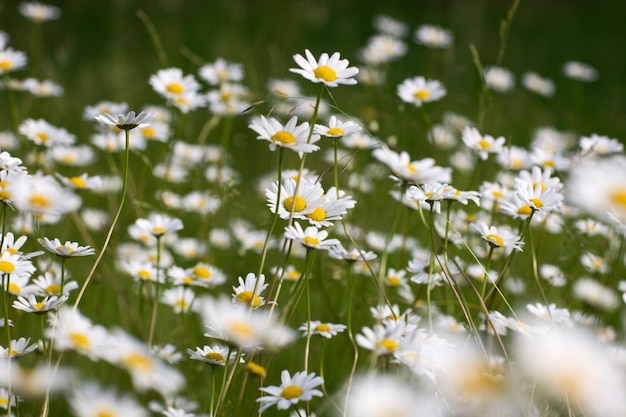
(352, 208)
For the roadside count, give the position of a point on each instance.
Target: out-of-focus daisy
(538, 84)
(181, 299)
(433, 36)
(43, 133)
(213, 355)
(7, 399)
(353, 255)
(102, 107)
(580, 71)
(591, 227)
(39, 12)
(11, 60)
(126, 122)
(30, 304)
(499, 79)
(550, 312)
(50, 284)
(172, 84)
(311, 237)
(323, 329)
(17, 348)
(381, 339)
(595, 294)
(89, 400)
(419, 90)
(43, 88)
(65, 250)
(15, 265)
(239, 326)
(329, 70)
(390, 26)
(82, 182)
(331, 209)
(413, 172)
(597, 145)
(381, 49)
(594, 263)
(206, 275)
(501, 237)
(73, 331)
(76, 156)
(247, 292)
(293, 389)
(159, 224)
(482, 144)
(167, 352)
(336, 128)
(221, 71)
(290, 135)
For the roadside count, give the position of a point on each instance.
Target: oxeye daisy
(433, 36)
(331, 209)
(213, 355)
(43, 197)
(172, 84)
(597, 145)
(329, 70)
(126, 122)
(482, 144)
(73, 331)
(65, 250)
(580, 71)
(159, 224)
(298, 205)
(290, 135)
(538, 84)
(248, 291)
(500, 237)
(382, 339)
(43, 133)
(336, 128)
(11, 60)
(50, 284)
(341, 253)
(221, 71)
(323, 329)
(381, 49)
(39, 12)
(17, 348)
(311, 237)
(414, 172)
(293, 389)
(88, 399)
(181, 299)
(499, 79)
(206, 275)
(419, 90)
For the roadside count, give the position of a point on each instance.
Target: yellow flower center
(542, 186)
(14, 288)
(293, 275)
(283, 137)
(389, 345)
(144, 274)
(80, 340)
(202, 272)
(53, 289)
(6, 267)
(325, 73)
(394, 281)
(42, 136)
(411, 168)
(299, 205)
(215, 356)
(336, 131)
(138, 361)
(174, 88)
(4, 402)
(6, 65)
(68, 248)
(246, 298)
(291, 391)
(421, 95)
(187, 280)
(78, 182)
(182, 304)
(106, 413)
(39, 201)
(322, 327)
(525, 210)
(317, 215)
(497, 194)
(242, 329)
(39, 305)
(549, 163)
(618, 198)
(495, 239)
(158, 230)
(536, 202)
(256, 369)
(148, 132)
(484, 144)
(311, 240)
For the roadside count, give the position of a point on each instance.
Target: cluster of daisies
(456, 308)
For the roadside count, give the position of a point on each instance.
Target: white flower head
(329, 70)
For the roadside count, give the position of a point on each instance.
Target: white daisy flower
(419, 90)
(213, 355)
(580, 71)
(65, 250)
(538, 84)
(87, 399)
(336, 128)
(11, 60)
(329, 70)
(311, 237)
(323, 329)
(433, 36)
(248, 292)
(159, 224)
(499, 79)
(39, 12)
(482, 144)
(290, 135)
(221, 71)
(126, 122)
(293, 389)
(501, 237)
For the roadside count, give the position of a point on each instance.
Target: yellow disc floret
(326, 73)
(283, 137)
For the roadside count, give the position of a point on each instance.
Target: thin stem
(310, 255)
(157, 286)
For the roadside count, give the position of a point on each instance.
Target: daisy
(189, 248)
(10, 163)
(39, 12)
(433, 36)
(81, 182)
(16, 266)
(499, 79)
(76, 156)
(239, 326)
(188, 101)
(419, 90)
(102, 107)
(381, 49)
(414, 172)
(339, 252)
(43, 133)
(11, 60)
(311, 237)
(65, 250)
(337, 129)
(390, 26)
(482, 144)
(172, 84)
(580, 71)
(597, 145)
(213, 355)
(159, 224)
(538, 84)
(550, 312)
(330, 210)
(167, 352)
(594, 263)
(180, 298)
(30, 304)
(7, 399)
(323, 329)
(248, 291)
(538, 196)
(126, 122)
(73, 331)
(331, 71)
(43, 88)
(308, 197)
(431, 193)
(156, 131)
(500, 237)
(221, 71)
(513, 158)
(50, 284)
(293, 389)
(200, 202)
(206, 275)
(290, 135)
(591, 227)
(381, 339)
(17, 348)
(359, 140)
(89, 400)
(228, 100)
(595, 294)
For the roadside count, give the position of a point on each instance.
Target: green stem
(310, 255)
(157, 286)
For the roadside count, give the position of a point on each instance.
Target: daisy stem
(336, 166)
(310, 255)
(7, 294)
(212, 403)
(531, 243)
(62, 274)
(157, 286)
(487, 265)
(227, 381)
(385, 255)
(112, 227)
(13, 106)
(355, 358)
